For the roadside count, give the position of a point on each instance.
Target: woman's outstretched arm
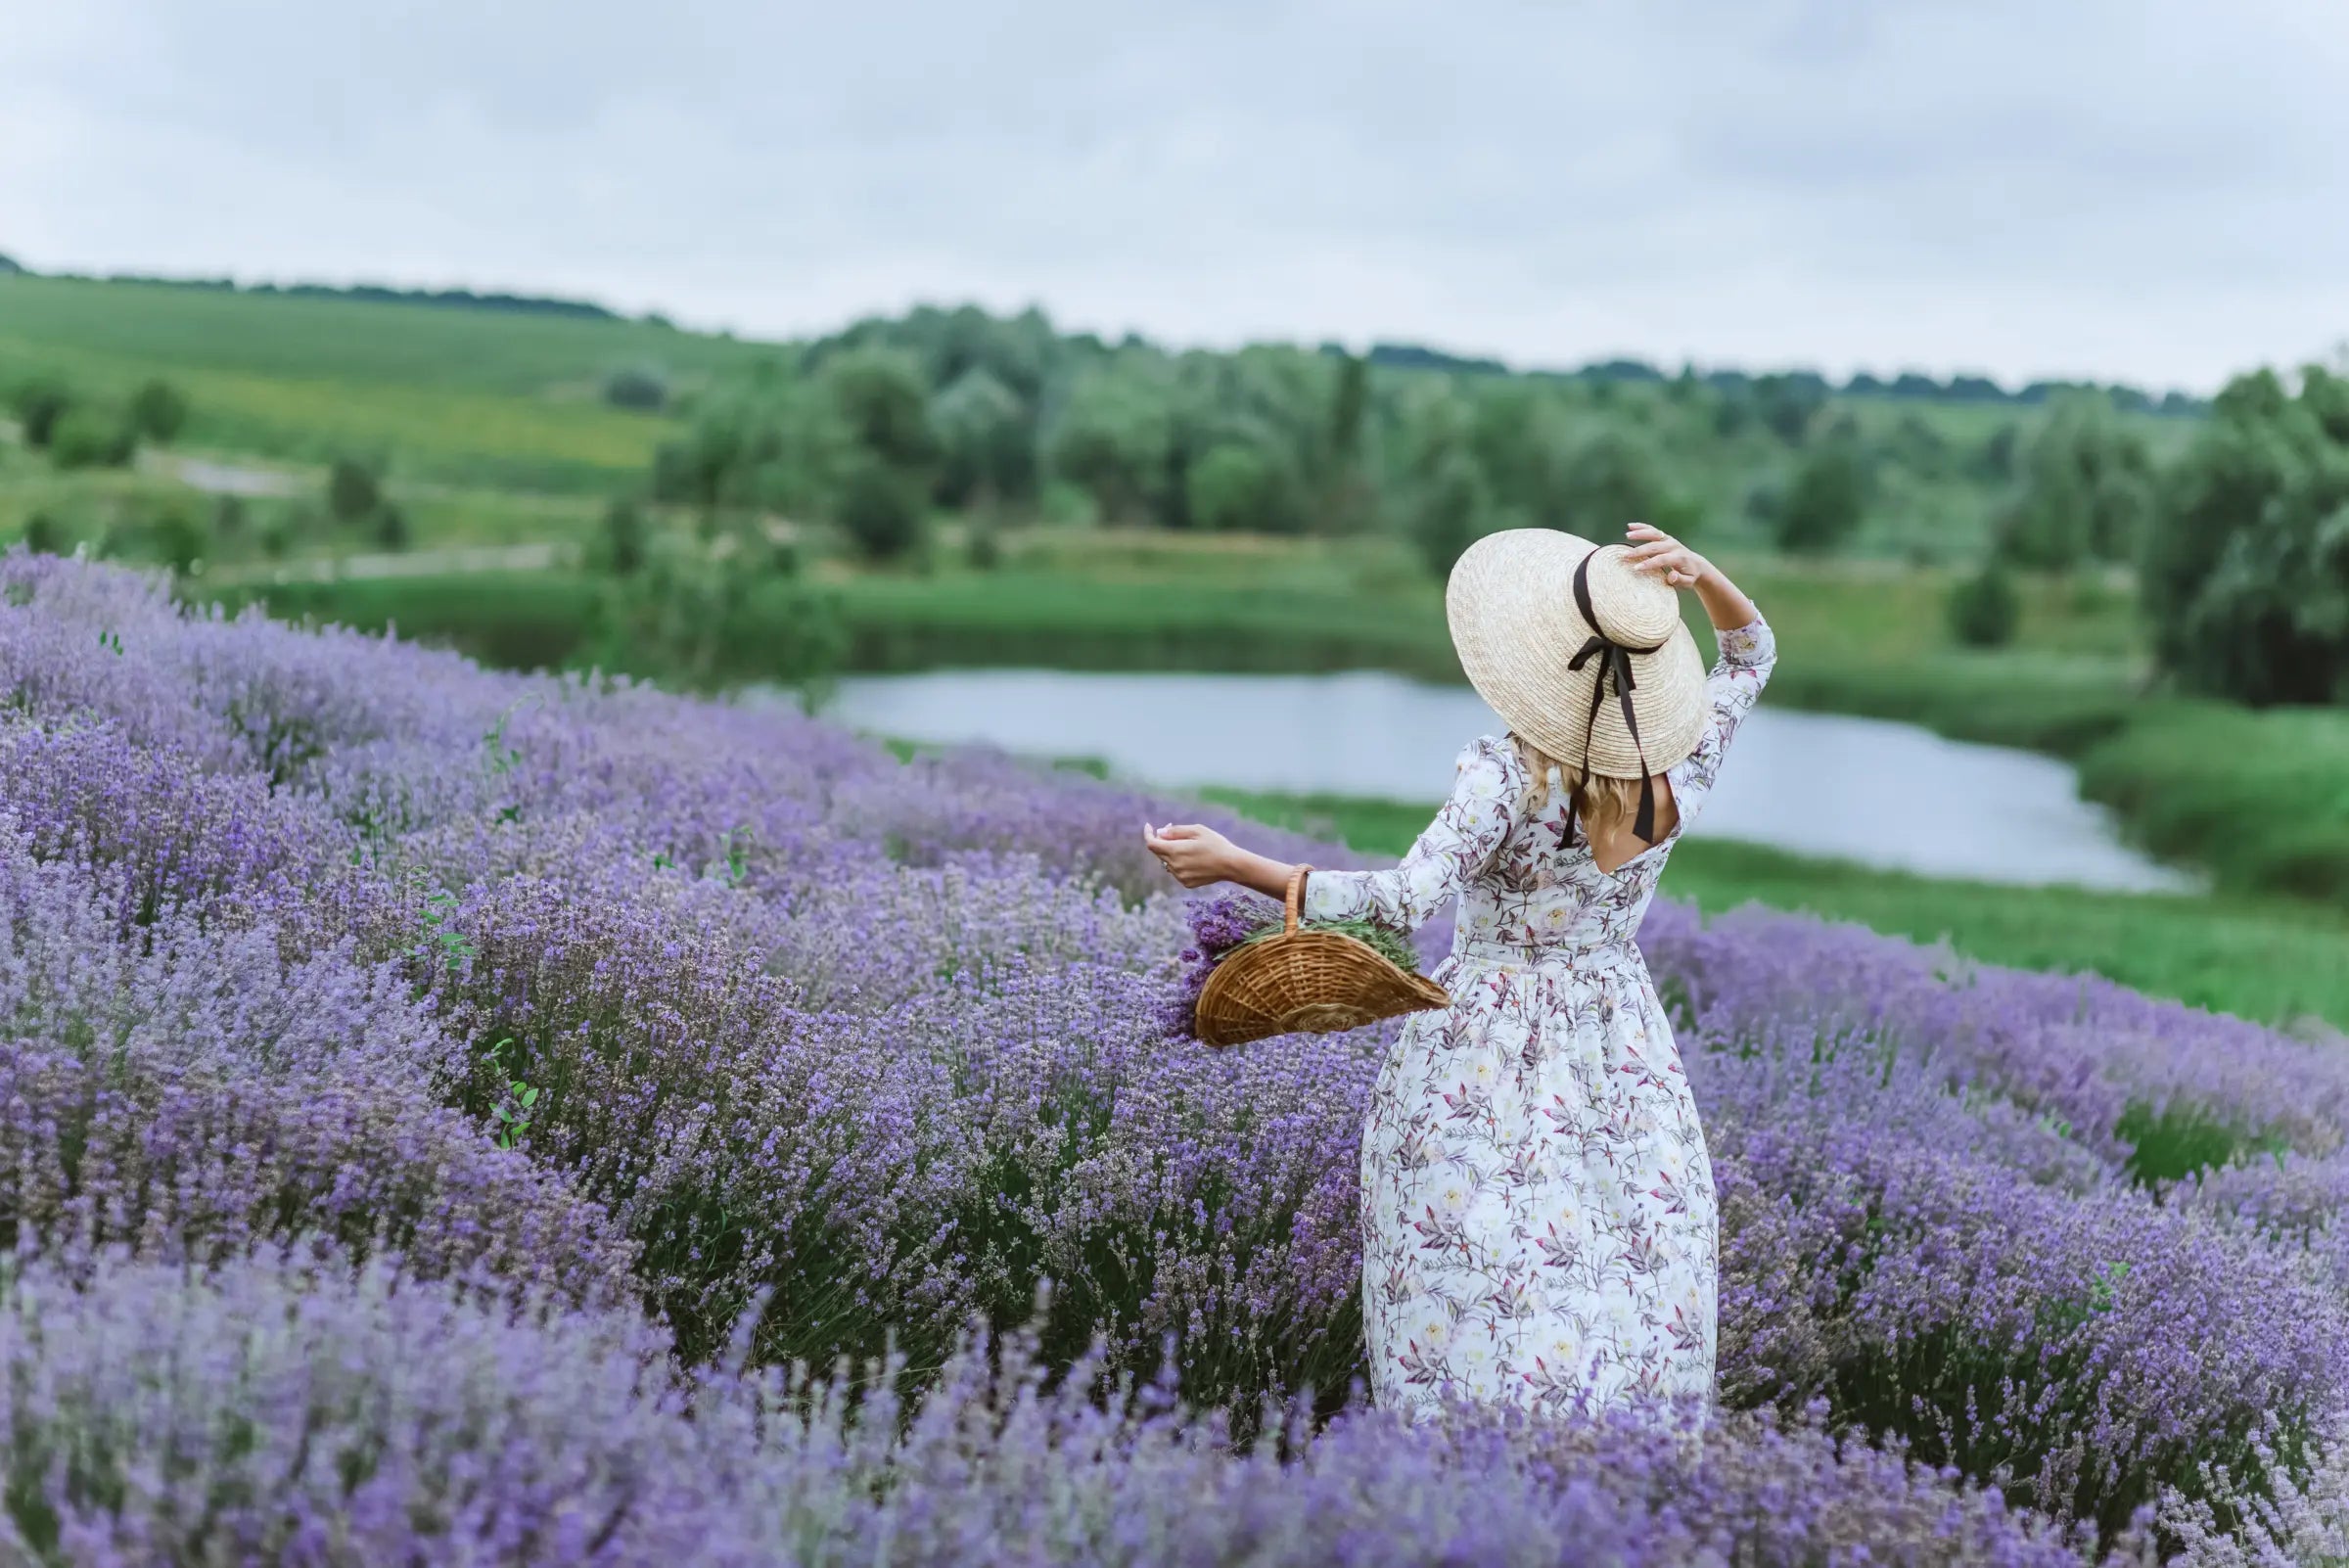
(1456, 845)
(1199, 855)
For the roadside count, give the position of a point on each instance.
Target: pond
(1880, 793)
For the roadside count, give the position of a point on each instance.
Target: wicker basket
(1306, 983)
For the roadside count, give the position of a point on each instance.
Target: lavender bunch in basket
(1228, 921)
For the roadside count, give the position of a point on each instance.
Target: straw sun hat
(1583, 656)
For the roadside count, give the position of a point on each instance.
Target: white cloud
(2155, 190)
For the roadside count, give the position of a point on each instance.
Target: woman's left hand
(1196, 855)
(1654, 550)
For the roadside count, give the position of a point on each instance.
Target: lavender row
(305, 927)
(289, 1408)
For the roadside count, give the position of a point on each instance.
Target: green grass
(92, 506)
(528, 620)
(467, 397)
(514, 620)
(2271, 959)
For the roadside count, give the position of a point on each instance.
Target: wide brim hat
(1537, 657)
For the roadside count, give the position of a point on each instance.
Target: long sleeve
(1484, 794)
(1747, 655)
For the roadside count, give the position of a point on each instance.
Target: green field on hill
(468, 396)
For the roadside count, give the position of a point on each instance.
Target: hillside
(502, 399)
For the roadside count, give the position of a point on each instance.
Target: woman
(1538, 1223)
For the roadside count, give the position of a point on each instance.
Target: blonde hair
(1599, 802)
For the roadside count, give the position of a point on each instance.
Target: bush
(638, 387)
(43, 535)
(228, 517)
(987, 441)
(880, 509)
(177, 541)
(87, 436)
(1984, 608)
(884, 404)
(983, 549)
(390, 526)
(352, 492)
(1450, 512)
(2087, 488)
(157, 411)
(1788, 404)
(1613, 479)
(1823, 507)
(1242, 487)
(39, 406)
(621, 547)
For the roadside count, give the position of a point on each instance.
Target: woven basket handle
(1288, 923)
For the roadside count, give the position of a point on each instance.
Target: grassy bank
(2271, 959)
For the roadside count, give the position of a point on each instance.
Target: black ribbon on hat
(1615, 662)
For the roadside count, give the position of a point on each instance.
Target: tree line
(872, 429)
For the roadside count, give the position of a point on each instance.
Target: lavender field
(459, 1118)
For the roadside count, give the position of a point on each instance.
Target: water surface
(1870, 790)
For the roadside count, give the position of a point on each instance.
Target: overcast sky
(2149, 190)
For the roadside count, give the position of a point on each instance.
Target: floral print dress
(1539, 1220)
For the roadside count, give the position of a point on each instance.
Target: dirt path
(220, 479)
(536, 556)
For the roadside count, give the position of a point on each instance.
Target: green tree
(159, 411)
(90, 437)
(982, 545)
(352, 492)
(880, 509)
(1985, 608)
(770, 445)
(2087, 489)
(1522, 435)
(1788, 404)
(177, 540)
(985, 439)
(1997, 459)
(1450, 510)
(390, 526)
(1611, 478)
(44, 535)
(698, 618)
(1241, 487)
(1115, 438)
(621, 543)
(39, 406)
(2246, 567)
(1347, 408)
(1348, 497)
(884, 405)
(1822, 506)
(642, 387)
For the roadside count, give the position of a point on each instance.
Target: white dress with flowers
(1539, 1222)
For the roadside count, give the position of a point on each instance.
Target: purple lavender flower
(822, 1051)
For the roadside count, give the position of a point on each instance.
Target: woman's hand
(1656, 551)
(1196, 855)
